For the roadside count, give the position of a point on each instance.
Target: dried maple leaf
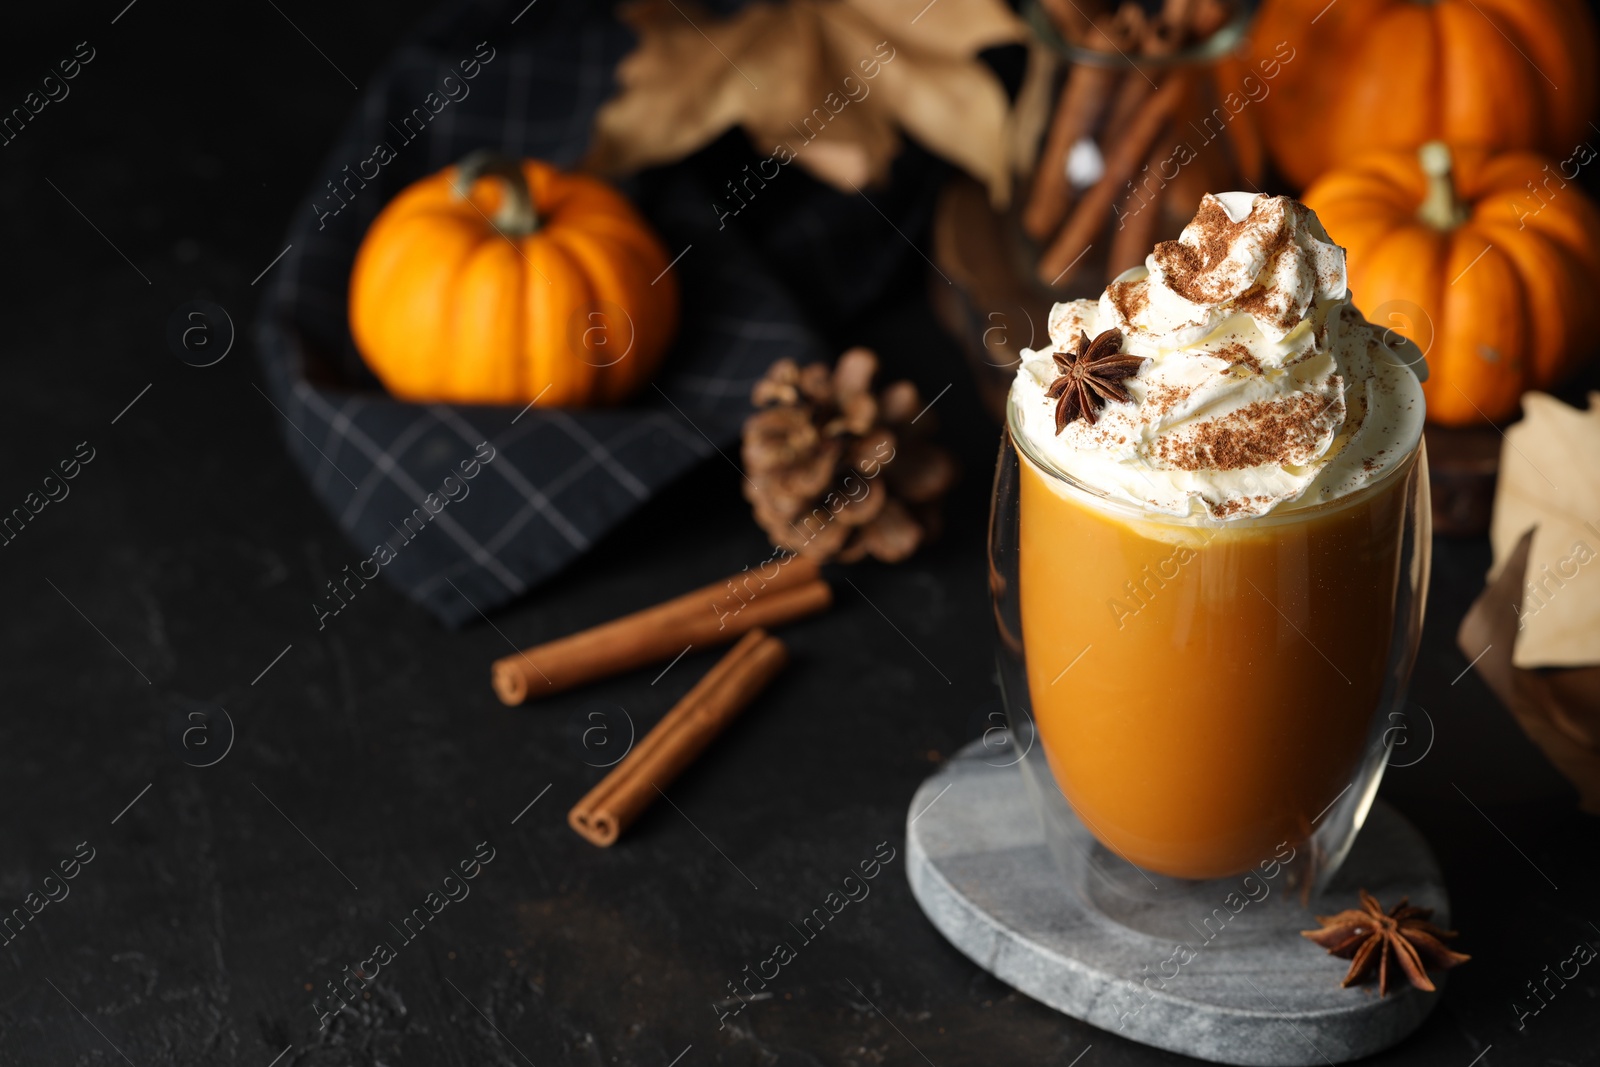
(828, 83)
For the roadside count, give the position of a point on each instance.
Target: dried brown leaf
(780, 71)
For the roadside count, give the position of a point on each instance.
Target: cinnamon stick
(1156, 38)
(1139, 215)
(1132, 23)
(1080, 112)
(1213, 165)
(1131, 95)
(681, 735)
(1083, 100)
(1122, 160)
(1072, 18)
(1209, 16)
(1178, 13)
(712, 615)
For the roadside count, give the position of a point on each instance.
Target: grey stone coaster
(1255, 992)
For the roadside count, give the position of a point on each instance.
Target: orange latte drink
(1212, 503)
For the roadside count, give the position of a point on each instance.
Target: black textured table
(368, 760)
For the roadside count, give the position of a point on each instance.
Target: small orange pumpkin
(1485, 261)
(1390, 74)
(498, 282)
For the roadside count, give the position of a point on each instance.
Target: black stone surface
(368, 759)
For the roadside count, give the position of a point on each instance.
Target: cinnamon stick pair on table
(712, 615)
(736, 608)
(678, 738)
(1128, 110)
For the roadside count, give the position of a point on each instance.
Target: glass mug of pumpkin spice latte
(1209, 555)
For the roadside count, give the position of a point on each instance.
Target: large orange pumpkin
(1488, 262)
(1391, 74)
(497, 282)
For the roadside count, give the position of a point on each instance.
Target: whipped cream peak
(1262, 385)
(1267, 257)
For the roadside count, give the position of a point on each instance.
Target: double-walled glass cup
(1197, 699)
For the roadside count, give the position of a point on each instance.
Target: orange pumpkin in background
(1391, 74)
(498, 282)
(1488, 262)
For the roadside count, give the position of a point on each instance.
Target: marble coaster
(1242, 988)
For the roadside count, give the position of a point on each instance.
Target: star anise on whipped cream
(1091, 376)
(1369, 937)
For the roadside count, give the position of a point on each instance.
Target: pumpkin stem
(1441, 208)
(517, 216)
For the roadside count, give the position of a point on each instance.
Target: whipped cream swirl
(1263, 387)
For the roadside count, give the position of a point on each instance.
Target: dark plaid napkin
(558, 479)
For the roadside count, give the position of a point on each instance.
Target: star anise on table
(1090, 376)
(1368, 937)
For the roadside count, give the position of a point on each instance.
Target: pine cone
(835, 470)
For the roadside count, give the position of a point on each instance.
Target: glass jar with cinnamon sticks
(1154, 109)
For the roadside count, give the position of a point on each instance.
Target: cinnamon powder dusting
(1260, 433)
(1192, 270)
(1238, 355)
(1161, 399)
(1268, 306)
(1129, 298)
(1225, 508)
